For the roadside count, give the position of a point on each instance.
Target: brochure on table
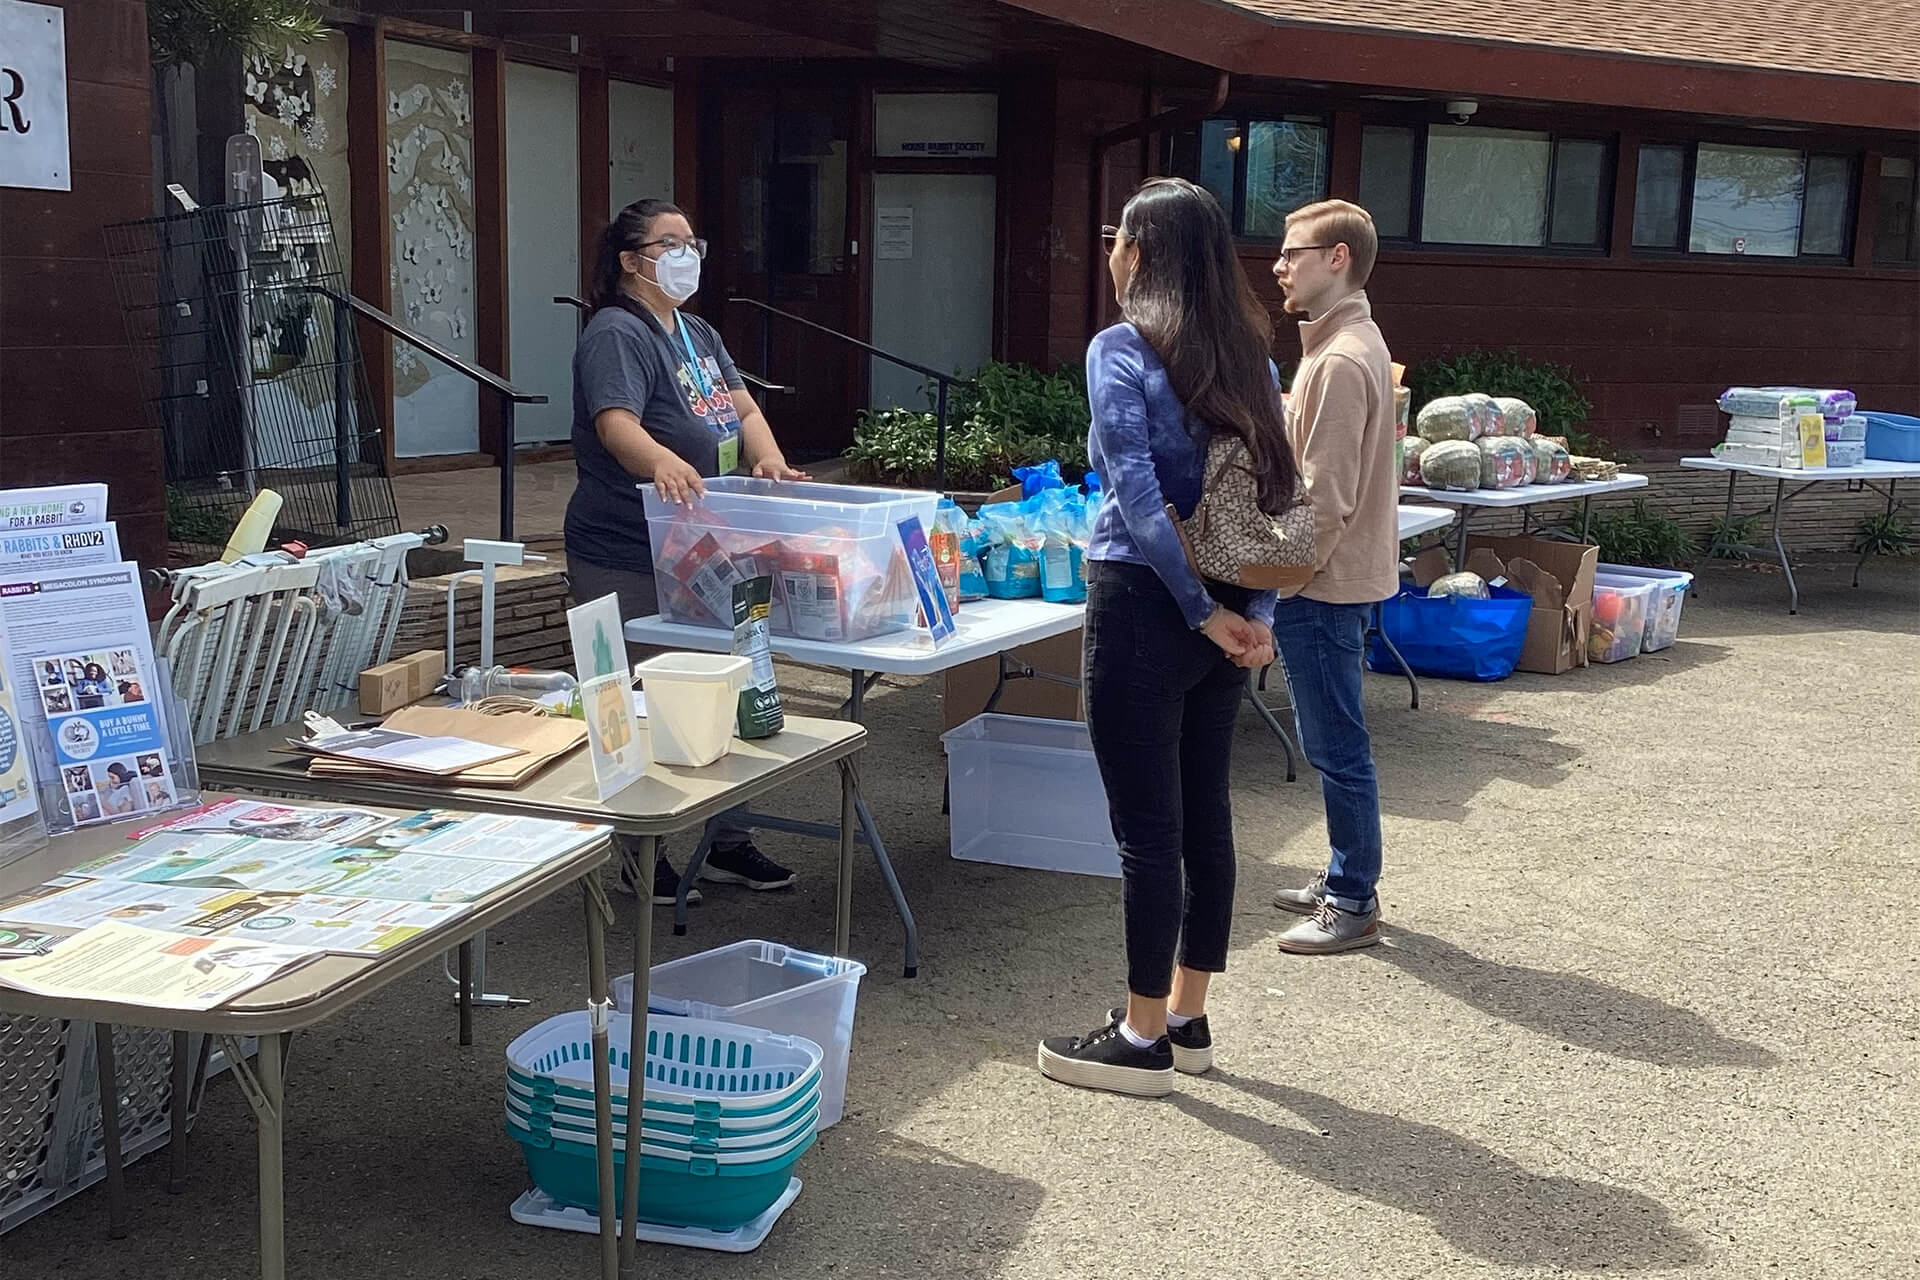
(118, 961)
(365, 885)
(606, 695)
(934, 609)
(90, 696)
(21, 829)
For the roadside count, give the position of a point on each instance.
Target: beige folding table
(308, 995)
(669, 800)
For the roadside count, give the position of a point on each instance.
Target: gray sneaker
(1303, 902)
(1332, 929)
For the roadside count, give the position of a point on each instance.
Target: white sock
(1177, 1019)
(1134, 1038)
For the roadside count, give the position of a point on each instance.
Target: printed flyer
(59, 548)
(121, 962)
(51, 505)
(83, 666)
(17, 800)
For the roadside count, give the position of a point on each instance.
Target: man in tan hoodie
(1340, 421)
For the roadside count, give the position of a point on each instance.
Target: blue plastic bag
(1039, 477)
(1453, 637)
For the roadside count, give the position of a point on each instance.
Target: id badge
(729, 446)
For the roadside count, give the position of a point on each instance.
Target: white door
(640, 143)
(932, 267)
(543, 243)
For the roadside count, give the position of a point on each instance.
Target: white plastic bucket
(692, 702)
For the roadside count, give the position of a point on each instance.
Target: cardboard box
(392, 685)
(969, 686)
(1560, 577)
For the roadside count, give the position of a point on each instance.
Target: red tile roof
(1872, 39)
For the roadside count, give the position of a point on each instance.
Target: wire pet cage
(250, 366)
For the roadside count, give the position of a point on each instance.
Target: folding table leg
(1273, 723)
(647, 849)
(598, 917)
(109, 1083)
(179, 1102)
(1378, 628)
(263, 1081)
(843, 886)
(695, 861)
(1780, 547)
(887, 876)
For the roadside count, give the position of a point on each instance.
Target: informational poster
(926, 581)
(598, 647)
(893, 232)
(59, 547)
(33, 97)
(613, 736)
(273, 822)
(54, 504)
(18, 802)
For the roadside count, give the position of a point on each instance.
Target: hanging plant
(183, 32)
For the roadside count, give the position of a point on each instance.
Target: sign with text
(33, 97)
(926, 581)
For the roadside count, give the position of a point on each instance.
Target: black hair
(630, 228)
(1190, 300)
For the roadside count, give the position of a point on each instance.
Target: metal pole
(506, 469)
(843, 889)
(940, 441)
(342, 423)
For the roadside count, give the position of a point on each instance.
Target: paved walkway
(1649, 1004)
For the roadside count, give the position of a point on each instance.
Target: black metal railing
(509, 394)
(753, 380)
(943, 382)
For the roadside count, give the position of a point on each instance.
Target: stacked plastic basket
(728, 1112)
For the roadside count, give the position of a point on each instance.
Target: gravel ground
(1649, 1002)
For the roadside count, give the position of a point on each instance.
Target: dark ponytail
(630, 228)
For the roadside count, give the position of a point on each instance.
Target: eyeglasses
(673, 243)
(1286, 255)
(1108, 235)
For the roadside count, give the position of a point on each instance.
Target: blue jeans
(1320, 645)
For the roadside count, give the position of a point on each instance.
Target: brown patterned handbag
(1230, 539)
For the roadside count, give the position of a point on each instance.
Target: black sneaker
(744, 864)
(666, 883)
(1105, 1059)
(1192, 1044)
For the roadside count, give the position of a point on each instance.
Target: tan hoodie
(1340, 420)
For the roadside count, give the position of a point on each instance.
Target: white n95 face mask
(677, 272)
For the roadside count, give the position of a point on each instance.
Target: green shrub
(1011, 415)
(1726, 536)
(1883, 535)
(195, 523)
(1553, 390)
(1640, 535)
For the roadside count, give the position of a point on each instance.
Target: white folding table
(1525, 497)
(1871, 474)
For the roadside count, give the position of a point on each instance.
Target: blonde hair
(1342, 222)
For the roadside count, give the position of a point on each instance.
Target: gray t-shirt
(626, 360)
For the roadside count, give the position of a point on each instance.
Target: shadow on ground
(1479, 1201)
(1568, 1007)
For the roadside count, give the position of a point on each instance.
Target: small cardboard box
(1559, 575)
(970, 685)
(392, 685)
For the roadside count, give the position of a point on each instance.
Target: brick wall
(530, 619)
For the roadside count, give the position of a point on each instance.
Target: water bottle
(485, 682)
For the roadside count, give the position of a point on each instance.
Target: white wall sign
(893, 227)
(33, 97)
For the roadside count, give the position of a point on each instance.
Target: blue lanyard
(693, 358)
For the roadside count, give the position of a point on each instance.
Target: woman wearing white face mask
(656, 398)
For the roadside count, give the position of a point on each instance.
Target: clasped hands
(1247, 642)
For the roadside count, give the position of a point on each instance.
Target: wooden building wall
(69, 408)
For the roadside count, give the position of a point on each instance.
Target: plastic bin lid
(715, 668)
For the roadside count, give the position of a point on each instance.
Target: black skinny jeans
(1161, 704)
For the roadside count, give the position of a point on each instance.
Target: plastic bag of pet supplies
(1038, 478)
(1013, 552)
(1059, 516)
(973, 550)
(839, 588)
(759, 713)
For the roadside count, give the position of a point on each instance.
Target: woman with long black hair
(656, 398)
(1167, 651)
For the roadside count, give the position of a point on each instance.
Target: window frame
(1243, 122)
(1880, 261)
(1417, 197)
(1682, 246)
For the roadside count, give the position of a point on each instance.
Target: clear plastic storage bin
(1663, 612)
(1027, 793)
(833, 552)
(765, 985)
(1620, 613)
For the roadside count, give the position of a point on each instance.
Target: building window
(1763, 202)
(1894, 241)
(1469, 185)
(1260, 170)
